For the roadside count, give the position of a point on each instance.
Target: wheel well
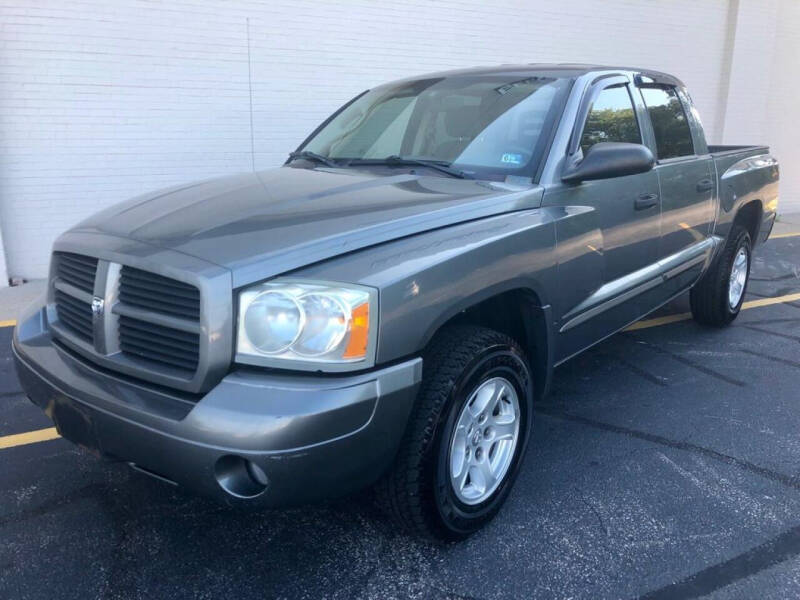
(749, 216)
(518, 314)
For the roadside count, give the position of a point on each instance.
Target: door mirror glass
(610, 159)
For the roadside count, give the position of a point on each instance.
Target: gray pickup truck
(386, 307)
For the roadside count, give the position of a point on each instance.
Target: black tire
(417, 492)
(709, 296)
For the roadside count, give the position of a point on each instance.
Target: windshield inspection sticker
(512, 159)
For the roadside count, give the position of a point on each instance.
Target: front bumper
(314, 437)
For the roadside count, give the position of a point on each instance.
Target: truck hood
(262, 224)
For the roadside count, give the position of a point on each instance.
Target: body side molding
(623, 289)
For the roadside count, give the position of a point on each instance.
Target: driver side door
(610, 231)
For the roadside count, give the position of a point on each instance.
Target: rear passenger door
(685, 173)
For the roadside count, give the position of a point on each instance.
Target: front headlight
(307, 325)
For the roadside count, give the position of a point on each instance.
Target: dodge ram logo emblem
(97, 307)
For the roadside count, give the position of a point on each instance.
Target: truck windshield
(486, 126)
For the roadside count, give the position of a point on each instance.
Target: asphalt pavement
(665, 464)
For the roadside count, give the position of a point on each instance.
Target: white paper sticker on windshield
(511, 159)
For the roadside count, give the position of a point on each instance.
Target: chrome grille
(156, 293)
(75, 315)
(141, 323)
(76, 270)
(159, 344)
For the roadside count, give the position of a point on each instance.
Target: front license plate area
(75, 424)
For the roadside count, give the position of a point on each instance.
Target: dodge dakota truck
(384, 310)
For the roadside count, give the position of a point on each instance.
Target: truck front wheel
(717, 298)
(465, 439)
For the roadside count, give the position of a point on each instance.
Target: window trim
(633, 110)
(677, 159)
(598, 85)
(687, 118)
(324, 124)
(698, 133)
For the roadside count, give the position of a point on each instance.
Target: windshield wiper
(313, 156)
(439, 165)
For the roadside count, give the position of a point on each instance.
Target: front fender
(425, 280)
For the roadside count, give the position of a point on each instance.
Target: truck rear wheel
(463, 445)
(717, 298)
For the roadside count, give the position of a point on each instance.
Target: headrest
(460, 121)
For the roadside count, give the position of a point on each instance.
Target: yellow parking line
(768, 301)
(783, 235)
(7, 323)
(658, 321)
(31, 437)
(685, 316)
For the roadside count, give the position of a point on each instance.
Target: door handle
(705, 185)
(645, 201)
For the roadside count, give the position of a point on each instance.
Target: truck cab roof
(569, 70)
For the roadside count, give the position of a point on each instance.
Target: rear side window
(611, 119)
(670, 125)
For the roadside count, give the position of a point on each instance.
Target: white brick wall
(751, 72)
(3, 273)
(782, 127)
(101, 99)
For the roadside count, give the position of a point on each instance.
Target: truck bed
(722, 150)
(727, 156)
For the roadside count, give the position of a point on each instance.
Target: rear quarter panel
(743, 177)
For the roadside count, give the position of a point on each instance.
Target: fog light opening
(240, 477)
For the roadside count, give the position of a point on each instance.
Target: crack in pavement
(767, 331)
(769, 322)
(637, 370)
(689, 363)
(754, 560)
(783, 479)
(785, 361)
(748, 563)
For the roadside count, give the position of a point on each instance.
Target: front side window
(670, 125)
(486, 125)
(611, 119)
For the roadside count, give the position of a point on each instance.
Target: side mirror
(610, 159)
